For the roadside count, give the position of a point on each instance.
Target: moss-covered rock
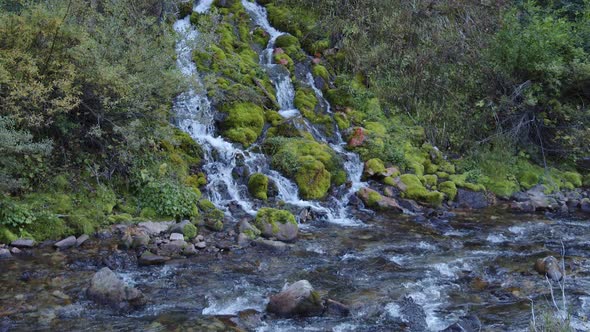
(342, 120)
(189, 231)
(258, 186)
(244, 122)
(449, 189)
(430, 180)
(321, 71)
(312, 178)
(374, 167)
(279, 224)
(413, 189)
(212, 217)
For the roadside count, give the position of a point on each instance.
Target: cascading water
(195, 116)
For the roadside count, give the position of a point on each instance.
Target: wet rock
(372, 198)
(201, 245)
(81, 239)
(550, 267)
(154, 228)
(305, 215)
(276, 246)
(16, 251)
(410, 205)
(200, 238)
(245, 227)
(66, 243)
(243, 240)
(140, 239)
(148, 258)
(5, 253)
(585, 205)
(126, 241)
(335, 308)
(185, 228)
(176, 237)
(23, 243)
(413, 314)
(297, 299)
(471, 199)
(60, 295)
(391, 191)
(278, 224)
(173, 248)
(107, 288)
(117, 260)
(390, 171)
(190, 250)
(250, 319)
(524, 207)
(466, 324)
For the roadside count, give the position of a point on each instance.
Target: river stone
(140, 239)
(297, 299)
(550, 267)
(180, 227)
(276, 246)
(585, 205)
(385, 203)
(335, 308)
(155, 228)
(23, 243)
(176, 237)
(173, 248)
(147, 258)
(466, 324)
(471, 199)
(5, 253)
(281, 231)
(15, 251)
(243, 240)
(108, 288)
(81, 239)
(66, 243)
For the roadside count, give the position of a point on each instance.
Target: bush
(15, 216)
(169, 199)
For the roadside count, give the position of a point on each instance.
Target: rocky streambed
(395, 273)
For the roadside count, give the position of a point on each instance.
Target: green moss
(375, 166)
(376, 127)
(285, 60)
(462, 182)
(390, 181)
(244, 122)
(416, 191)
(339, 177)
(312, 178)
(342, 120)
(586, 180)
(122, 218)
(189, 231)
(373, 199)
(306, 101)
(212, 217)
(258, 186)
(269, 216)
(309, 163)
(448, 188)
(148, 213)
(252, 233)
(442, 175)
(321, 71)
(430, 180)
(260, 37)
(574, 178)
(429, 167)
(6, 236)
(319, 46)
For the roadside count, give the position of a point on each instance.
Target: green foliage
(22, 159)
(258, 186)
(449, 189)
(168, 199)
(15, 216)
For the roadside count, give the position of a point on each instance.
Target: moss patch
(244, 122)
(449, 189)
(258, 186)
(416, 191)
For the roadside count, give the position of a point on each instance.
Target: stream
(477, 263)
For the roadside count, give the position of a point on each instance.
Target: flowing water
(478, 263)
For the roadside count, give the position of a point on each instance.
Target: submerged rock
(5, 253)
(276, 246)
(413, 314)
(550, 267)
(466, 324)
(297, 299)
(108, 288)
(148, 258)
(335, 308)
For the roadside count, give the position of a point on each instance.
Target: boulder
(297, 299)
(244, 227)
(585, 205)
(154, 228)
(147, 258)
(472, 199)
(176, 237)
(279, 224)
(108, 288)
(185, 228)
(5, 253)
(173, 248)
(335, 308)
(23, 243)
(81, 239)
(466, 324)
(275, 246)
(66, 243)
(373, 199)
(550, 267)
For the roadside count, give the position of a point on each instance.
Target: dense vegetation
(86, 90)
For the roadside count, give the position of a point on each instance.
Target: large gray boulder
(107, 288)
(297, 299)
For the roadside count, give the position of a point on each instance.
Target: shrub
(169, 199)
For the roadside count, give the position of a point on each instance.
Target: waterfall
(195, 116)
